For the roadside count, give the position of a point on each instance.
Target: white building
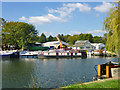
(83, 45)
(54, 44)
(98, 46)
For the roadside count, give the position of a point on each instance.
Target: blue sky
(54, 18)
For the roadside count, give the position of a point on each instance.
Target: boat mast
(61, 46)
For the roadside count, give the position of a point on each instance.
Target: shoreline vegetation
(104, 83)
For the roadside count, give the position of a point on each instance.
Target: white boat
(59, 53)
(5, 53)
(28, 54)
(9, 53)
(97, 52)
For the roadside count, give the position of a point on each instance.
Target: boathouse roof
(55, 43)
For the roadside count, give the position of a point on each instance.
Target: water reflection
(16, 73)
(50, 73)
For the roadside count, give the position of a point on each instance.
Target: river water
(49, 73)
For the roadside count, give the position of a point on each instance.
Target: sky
(53, 18)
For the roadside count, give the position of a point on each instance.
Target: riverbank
(105, 83)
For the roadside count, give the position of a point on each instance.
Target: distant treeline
(21, 34)
(72, 39)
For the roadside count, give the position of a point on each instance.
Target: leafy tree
(89, 37)
(71, 40)
(112, 26)
(2, 22)
(8, 33)
(50, 38)
(86, 37)
(28, 34)
(54, 39)
(61, 37)
(97, 39)
(66, 37)
(43, 38)
(104, 38)
(18, 34)
(81, 36)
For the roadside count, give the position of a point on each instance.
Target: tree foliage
(72, 39)
(112, 26)
(50, 38)
(86, 37)
(43, 38)
(18, 34)
(97, 39)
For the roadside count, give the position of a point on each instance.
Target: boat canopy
(36, 48)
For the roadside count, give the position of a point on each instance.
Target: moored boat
(60, 54)
(10, 54)
(98, 52)
(29, 54)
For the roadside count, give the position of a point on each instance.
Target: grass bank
(106, 83)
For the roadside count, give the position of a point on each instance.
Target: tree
(8, 33)
(50, 38)
(112, 25)
(86, 37)
(71, 40)
(81, 36)
(61, 37)
(66, 37)
(2, 22)
(25, 34)
(89, 37)
(104, 38)
(97, 39)
(43, 38)
(18, 34)
(54, 39)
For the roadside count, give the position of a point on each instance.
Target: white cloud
(38, 20)
(105, 7)
(23, 18)
(64, 12)
(96, 31)
(52, 17)
(67, 9)
(41, 19)
(81, 7)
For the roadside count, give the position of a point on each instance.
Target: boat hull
(44, 56)
(28, 56)
(60, 55)
(11, 55)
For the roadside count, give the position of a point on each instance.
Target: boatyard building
(54, 44)
(98, 46)
(83, 45)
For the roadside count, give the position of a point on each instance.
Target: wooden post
(99, 70)
(107, 71)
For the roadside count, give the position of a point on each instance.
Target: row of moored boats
(49, 54)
